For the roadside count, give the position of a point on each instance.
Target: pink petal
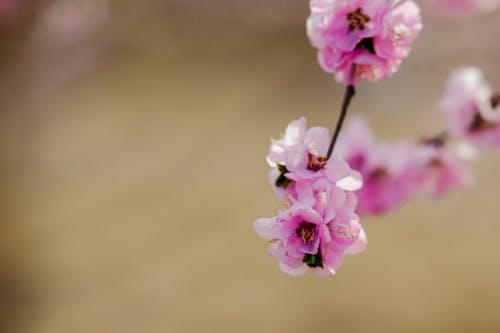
(359, 245)
(353, 182)
(299, 271)
(266, 228)
(295, 131)
(317, 140)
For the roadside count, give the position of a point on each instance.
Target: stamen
(306, 231)
(284, 205)
(357, 19)
(343, 230)
(316, 163)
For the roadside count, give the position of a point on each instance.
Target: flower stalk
(349, 94)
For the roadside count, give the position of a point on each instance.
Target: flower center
(357, 19)
(316, 163)
(436, 162)
(306, 231)
(480, 124)
(495, 101)
(378, 174)
(357, 162)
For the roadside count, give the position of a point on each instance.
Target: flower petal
(298, 271)
(359, 245)
(266, 228)
(317, 140)
(295, 132)
(353, 182)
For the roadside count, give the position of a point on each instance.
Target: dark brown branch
(349, 94)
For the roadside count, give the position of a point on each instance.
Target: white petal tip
(350, 183)
(299, 271)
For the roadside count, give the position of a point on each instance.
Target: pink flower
(315, 231)
(361, 38)
(391, 174)
(473, 111)
(319, 225)
(389, 169)
(395, 172)
(301, 155)
(459, 8)
(443, 169)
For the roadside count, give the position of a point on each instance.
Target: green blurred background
(133, 137)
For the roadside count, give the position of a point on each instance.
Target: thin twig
(349, 94)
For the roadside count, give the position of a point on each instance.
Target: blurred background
(133, 137)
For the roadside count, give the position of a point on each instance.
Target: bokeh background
(132, 145)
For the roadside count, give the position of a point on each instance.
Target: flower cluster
(318, 224)
(394, 172)
(362, 38)
(472, 108)
(324, 194)
(323, 198)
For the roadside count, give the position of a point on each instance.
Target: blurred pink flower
(395, 172)
(68, 38)
(317, 229)
(391, 174)
(442, 169)
(67, 22)
(390, 169)
(362, 39)
(472, 108)
(459, 8)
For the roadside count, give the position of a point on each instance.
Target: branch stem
(349, 94)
